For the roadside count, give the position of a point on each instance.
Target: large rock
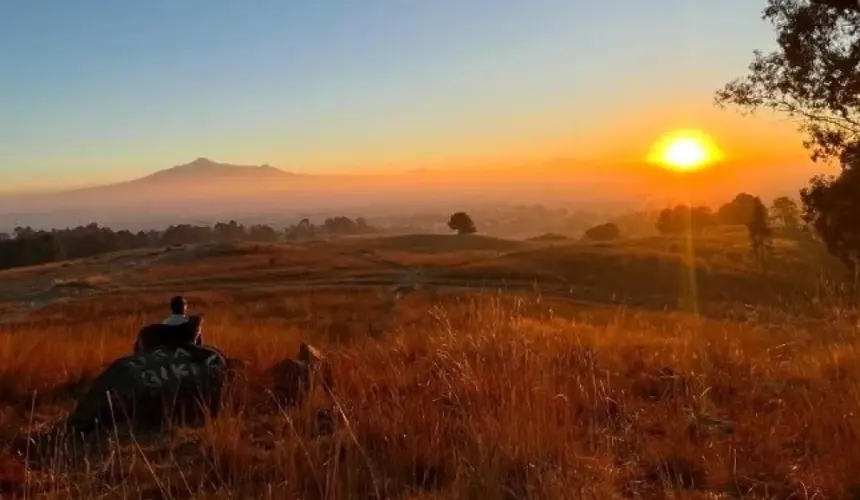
(294, 379)
(147, 389)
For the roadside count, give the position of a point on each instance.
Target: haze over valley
(208, 190)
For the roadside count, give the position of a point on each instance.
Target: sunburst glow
(684, 151)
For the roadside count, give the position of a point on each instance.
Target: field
(464, 367)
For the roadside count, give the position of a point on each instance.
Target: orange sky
(340, 86)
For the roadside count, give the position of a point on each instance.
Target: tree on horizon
(786, 211)
(603, 232)
(760, 233)
(462, 223)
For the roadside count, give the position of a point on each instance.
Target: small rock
(291, 380)
(294, 379)
(310, 354)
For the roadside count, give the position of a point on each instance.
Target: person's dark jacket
(170, 336)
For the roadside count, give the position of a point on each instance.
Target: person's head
(178, 305)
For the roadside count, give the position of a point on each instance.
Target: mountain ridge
(200, 170)
(204, 170)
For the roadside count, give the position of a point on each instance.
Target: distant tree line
(745, 209)
(27, 247)
(331, 226)
(682, 217)
(742, 210)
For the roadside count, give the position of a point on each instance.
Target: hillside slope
(646, 273)
(448, 391)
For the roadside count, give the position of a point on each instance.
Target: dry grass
(483, 397)
(462, 395)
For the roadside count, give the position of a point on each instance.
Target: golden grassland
(551, 390)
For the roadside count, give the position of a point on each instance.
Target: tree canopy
(812, 76)
(739, 210)
(760, 234)
(462, 223)
(603, 232)
(786, 211)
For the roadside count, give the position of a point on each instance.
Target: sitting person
(177, 330)
(178, 310)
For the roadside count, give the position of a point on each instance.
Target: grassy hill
(513, 370)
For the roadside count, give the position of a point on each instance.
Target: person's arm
(191, 330)
(198, 334)
(138, 343)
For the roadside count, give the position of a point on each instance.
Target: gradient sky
(101, 90)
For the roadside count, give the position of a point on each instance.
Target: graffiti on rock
(163, 367)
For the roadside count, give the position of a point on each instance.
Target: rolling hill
(545, 368)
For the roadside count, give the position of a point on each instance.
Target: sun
(684, 151)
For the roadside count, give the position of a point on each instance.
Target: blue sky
(100, 90)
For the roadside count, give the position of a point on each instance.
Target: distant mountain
(200, 186)
(203, 167)
(203, 171)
